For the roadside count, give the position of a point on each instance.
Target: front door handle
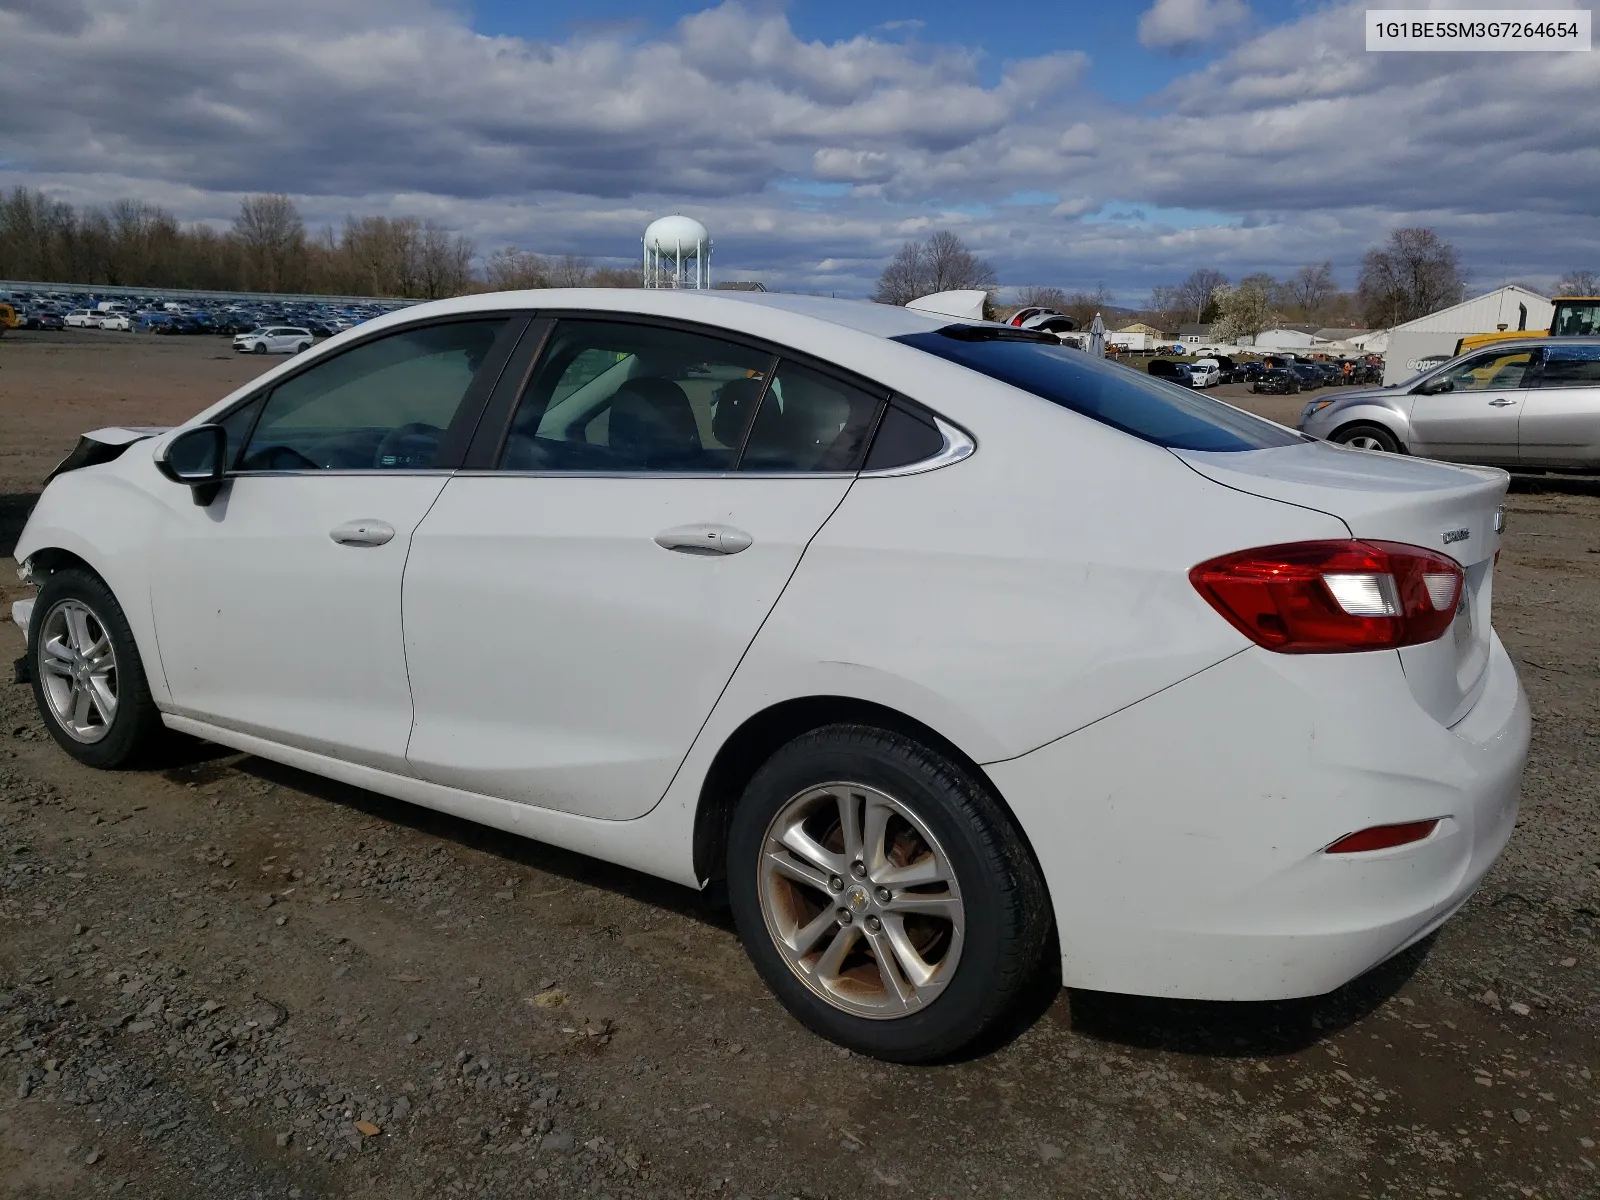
(1500, 403)
(704, 539)
(362, 533)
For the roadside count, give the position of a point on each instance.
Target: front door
(277, 606)
(1560, 424)
(572, 617)
(1475, 418)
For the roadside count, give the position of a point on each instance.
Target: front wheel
(1367, 437)
(259, 348)
(883, 893)
(88, 682)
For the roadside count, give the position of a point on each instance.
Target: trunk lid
(1451, 509)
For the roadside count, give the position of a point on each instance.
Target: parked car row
(88, 310)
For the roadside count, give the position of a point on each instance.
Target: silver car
(1531, 404)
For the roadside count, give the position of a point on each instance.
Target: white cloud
(809, 160)
(1180, 24)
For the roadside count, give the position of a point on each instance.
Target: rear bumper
(1182, 837)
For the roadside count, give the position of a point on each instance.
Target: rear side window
(1571, 366)
(1141, 405)
(809, 421)
(905, 436)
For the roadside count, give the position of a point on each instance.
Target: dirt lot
(228, 979)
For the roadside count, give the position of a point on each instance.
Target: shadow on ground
(14, 510)
(1201, 1028)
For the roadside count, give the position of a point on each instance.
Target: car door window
(808, 422)
(1570, 367)
(1496, 371)
(615, 396)
(383, 405)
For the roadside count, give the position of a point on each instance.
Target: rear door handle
(704, 539)
(362, 533)
(1500, 403)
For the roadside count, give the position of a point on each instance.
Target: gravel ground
(229, 979)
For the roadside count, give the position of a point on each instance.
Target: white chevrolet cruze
(925, 638)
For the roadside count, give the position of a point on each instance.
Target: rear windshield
(1125, 399)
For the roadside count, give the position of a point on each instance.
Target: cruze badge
(1456, 535)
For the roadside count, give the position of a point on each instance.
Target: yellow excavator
(8, 318)
(1575, 316)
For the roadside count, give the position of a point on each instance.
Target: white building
(1507, 308)
(1285, 337)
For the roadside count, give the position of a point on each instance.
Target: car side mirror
(1434, 386)
(197, 457)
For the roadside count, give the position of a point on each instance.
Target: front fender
(105, 518)
(1362, 414)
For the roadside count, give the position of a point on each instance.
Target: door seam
(405, 654)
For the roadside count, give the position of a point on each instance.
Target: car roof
(1533, 343)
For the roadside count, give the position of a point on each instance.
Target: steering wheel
(389, 445)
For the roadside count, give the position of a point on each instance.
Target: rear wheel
(87, 678)
(1367, 437)
(883, 893)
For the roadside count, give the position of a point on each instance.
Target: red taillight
(1382, 837)
(1326, 597)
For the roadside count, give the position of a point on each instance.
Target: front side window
(384, 405)
(1142, 405)
(1493, 371)
(615, 396)
(1571, 366)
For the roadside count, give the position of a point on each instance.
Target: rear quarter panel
(1013, 597)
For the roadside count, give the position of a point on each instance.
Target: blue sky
(1122, 69)
(1070, 144)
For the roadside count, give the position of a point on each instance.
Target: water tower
(672, 246)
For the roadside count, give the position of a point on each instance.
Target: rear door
(573, 612)
(1560, 424)
(1475, 420)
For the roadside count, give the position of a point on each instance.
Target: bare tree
(444, 261)
(1578, 283)
(272, 238)
(513, 270)
(1309, 289)
(1081, 306)
(571, 270)
(942, 264)
(616, 277)
(1195, 292)
(1041, 297)
(1412, 274)
(1166, 310)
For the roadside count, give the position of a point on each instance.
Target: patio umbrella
(1097, 337)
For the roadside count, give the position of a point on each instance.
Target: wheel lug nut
(884, 896)
(836, 884)
(844, 916)
(859, 870)
(874, 924)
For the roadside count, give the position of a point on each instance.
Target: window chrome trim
(495, 474)
(958, 444)
(342, 471)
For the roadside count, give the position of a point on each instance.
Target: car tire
(302, 347)
(983, 924)
(81, 652)
(259, 348)
(1367, 437)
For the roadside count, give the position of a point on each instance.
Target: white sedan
(273, 339)
(928, 639)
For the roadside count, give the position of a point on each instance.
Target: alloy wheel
(861, 900)
(1365, 441)
(78, 671)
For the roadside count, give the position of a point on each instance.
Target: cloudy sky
(1072, 143)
